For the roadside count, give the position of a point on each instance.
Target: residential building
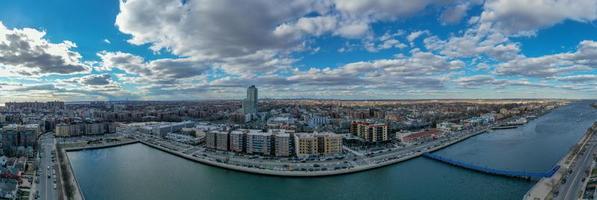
(259, 142)
(249, 104)
(210, 139)
(282, 144)
(370, 132)
(237, 140)
(305, 144)
(222, 141)
(77, 129)
(16, 135)
(329, 143)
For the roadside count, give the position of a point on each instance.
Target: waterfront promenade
(365, 163)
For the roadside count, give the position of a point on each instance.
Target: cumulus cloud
(482, 81)
(583, 59)
(474, 42)
(27, 52)
(218, 31)
(525, 17)
(455, 14)
(209, 29)
(414, 35)
(160, 69)
(382, 9)
(93, 79)
(386, 41)
(579, 78)
(307, 25)
(103, 79)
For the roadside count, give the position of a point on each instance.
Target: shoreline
(282, 173)
(544, 188)
(78, 192)
(102, 146)
(270, 172)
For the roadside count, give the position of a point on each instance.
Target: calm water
(537, 146)
(140, 172)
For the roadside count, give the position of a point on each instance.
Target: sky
(336, 49)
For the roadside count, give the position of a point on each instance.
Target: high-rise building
(237, 141)
(309, 144)
(250, 103)
(14, 136)
(259, 143)
(305, 144)
(282, 144)
(210, 139)
(370, 132)
(329, 143)
(222, 141)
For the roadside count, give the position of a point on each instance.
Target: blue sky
(346, 49)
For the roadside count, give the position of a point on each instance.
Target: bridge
(487, 170)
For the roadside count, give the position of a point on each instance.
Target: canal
(140, 172)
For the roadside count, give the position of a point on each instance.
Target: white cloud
(414, 35)
(579, 78)
(159, 70)
(353, 29)
(455, 14)
(107, 41)
(381, 9)
(474, 42)
(525, 17)
(27, 52)
(583, 59)
(307, 25)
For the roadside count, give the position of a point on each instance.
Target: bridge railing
(492, 170)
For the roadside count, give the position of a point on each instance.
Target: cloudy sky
(347, 49)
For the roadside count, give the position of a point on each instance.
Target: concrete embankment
(270, 172)
(101, 146)
(69, 186)
(73, 184)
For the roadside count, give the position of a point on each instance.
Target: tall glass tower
(250, 103)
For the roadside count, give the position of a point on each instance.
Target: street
(349, 159)
(46, 186)
(575, 179)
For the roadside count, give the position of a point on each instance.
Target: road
(346, 160)
(46, 168)
(574, 184)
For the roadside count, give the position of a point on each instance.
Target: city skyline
(336, 49)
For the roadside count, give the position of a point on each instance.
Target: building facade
(249, 104)
(329, 143)
(78, 129)
(222, 141)
(259, 143)
(305, 144)
(237, 141)
(370, 132)
(15, 136)
(282, 145)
